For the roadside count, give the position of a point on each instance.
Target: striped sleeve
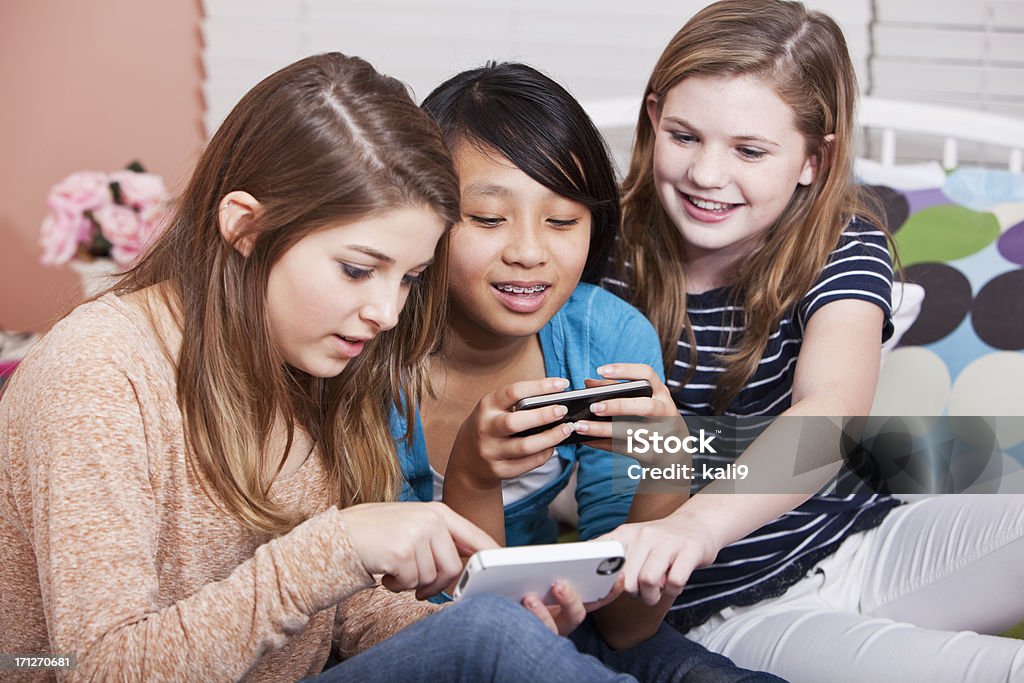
(860, 267)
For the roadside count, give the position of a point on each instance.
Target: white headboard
(949, 123)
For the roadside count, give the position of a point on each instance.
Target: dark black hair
(538, 126)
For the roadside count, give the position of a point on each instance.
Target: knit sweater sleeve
(370, 616)
(82, 444)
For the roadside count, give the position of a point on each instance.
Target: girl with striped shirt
(769, 282)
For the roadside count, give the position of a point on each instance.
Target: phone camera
(610, 566)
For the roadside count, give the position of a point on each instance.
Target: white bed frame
(950, 124)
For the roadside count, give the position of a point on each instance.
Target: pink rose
(128, 232)
(125, 254)
(154, 220)
(140, 190)
(60, 235)
(120, 225)
(80, 192)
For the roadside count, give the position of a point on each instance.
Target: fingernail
(605, 369)
(561, 411)
(582, 427)
(568, 428)
(560, 383)
(534, 602)
(597, 408)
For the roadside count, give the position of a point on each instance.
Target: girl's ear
(817, 162)
(235, 216)
(653, 105)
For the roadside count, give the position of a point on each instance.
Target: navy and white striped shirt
(771, 559)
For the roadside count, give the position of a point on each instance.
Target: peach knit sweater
(110, 549)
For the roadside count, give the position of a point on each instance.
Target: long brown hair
(803, 55)
(321, 142)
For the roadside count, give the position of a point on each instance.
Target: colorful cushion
(963, 353)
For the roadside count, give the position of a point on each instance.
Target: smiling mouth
(708, 205)
(517, 290)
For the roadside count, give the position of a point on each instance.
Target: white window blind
(596, 48)
(964, 54)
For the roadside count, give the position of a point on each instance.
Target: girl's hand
(486, 452)
(566, 616)
(414, 545)
(660, 556)
(659, 405)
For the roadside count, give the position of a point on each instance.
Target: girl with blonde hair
(195, 466)
(768, 278)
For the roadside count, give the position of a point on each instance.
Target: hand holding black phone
(579, 401)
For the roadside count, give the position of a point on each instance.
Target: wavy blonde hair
(803, 55)
(324, 141)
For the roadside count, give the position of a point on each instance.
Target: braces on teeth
(522, 290)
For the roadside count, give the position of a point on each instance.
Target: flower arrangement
(95, 215)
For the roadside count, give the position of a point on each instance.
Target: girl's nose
(383, 307)
(707, 168)
(526, 247)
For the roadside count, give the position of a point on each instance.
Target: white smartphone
(590, 567)
(578, 402)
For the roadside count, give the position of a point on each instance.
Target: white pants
(905, 601)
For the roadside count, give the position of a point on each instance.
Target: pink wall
(86, 86)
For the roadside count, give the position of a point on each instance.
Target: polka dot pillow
(964, 353)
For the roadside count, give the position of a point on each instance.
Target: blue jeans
(483, 638)
(666, 657)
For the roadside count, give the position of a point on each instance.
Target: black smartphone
(579, 401)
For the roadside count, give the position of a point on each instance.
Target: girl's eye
(750, 153)
(353, 273)
(563, 223)
(412, 280)
(485, 221)
(684, 138)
